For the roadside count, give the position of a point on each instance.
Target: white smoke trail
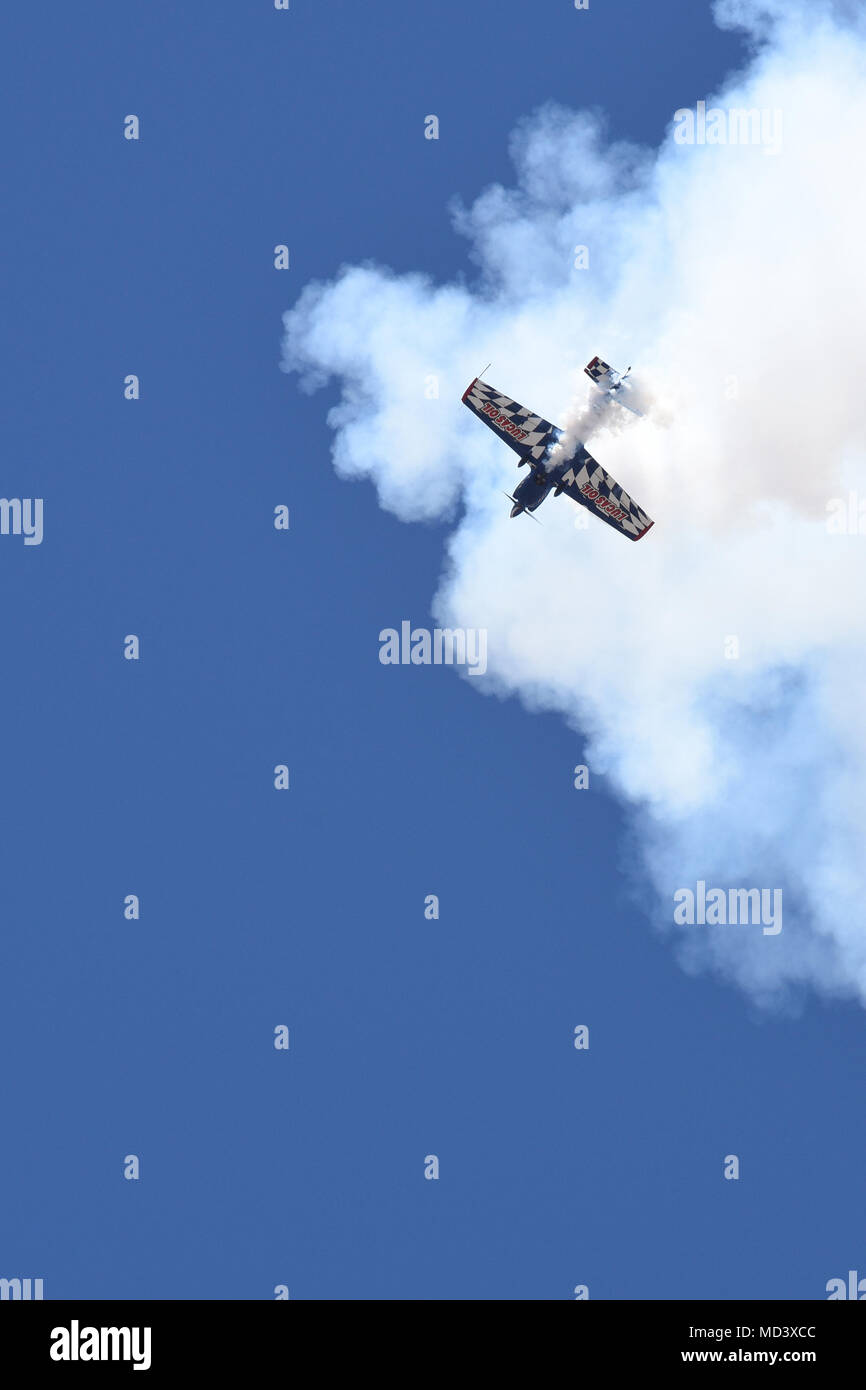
(593, 413)
(734, 278)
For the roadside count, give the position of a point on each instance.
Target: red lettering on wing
(604, 504)
(497, 418)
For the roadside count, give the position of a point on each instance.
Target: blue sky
(154, 777)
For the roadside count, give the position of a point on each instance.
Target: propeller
(524, 512)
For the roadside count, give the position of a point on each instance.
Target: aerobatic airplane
(578, 474)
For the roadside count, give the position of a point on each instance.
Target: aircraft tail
(600, 373)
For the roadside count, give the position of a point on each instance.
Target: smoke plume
(718, 675)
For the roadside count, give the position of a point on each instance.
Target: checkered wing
(527, 434)
(587, 483)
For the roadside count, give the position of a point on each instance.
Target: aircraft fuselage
(531, 492)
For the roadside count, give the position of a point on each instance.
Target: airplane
(579, 474)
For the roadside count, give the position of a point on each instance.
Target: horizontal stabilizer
(601, 375)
